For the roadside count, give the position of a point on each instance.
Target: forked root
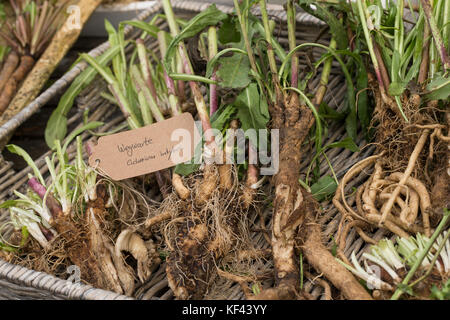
(322, 260)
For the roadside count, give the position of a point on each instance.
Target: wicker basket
(17, 282)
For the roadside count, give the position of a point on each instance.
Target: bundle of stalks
(28, 34)
(73, 218)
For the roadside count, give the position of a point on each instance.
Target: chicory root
(8, 68)
(12, 84)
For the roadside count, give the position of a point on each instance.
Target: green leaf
(19, 151)
(209, 17)
(441, 294)
(151, 29)
(396, 88)
(212, 63)
(438, 88)
(2, 12)
(323, 188)
(229, 32)
(186, 169)
(346, 143)
(222, 116)
(8, 204)
(233, 71)
(57, 124)
(327, 112)
(351, 124)
(252, 109)
(25, 235)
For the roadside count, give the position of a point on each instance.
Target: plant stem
(362, 10)
(141, 88)
(145, 68)
(170, 84)
(423, 70)
(133, 122)
(426, 5)
(320, 93)
(292, 42)
(422, 256)
(212, 48)
(244, 32)
(198, 97)
(268, 34)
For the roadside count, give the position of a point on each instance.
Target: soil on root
(87, 241)
(202, 233)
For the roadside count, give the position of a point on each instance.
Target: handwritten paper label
(152, 148)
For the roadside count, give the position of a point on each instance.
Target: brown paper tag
(152, 148)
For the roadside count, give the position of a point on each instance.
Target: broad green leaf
(326, 112)
(323, 188)
(186, 169)
(19, 151)
(438, 88)
(209, 17)
(249, 108)
(252, 109)
(57, 124)
(212, 63)
(229, 32)
(233, 71)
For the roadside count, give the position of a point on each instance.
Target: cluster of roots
(206, 228)
(108, 249)
(409, 176)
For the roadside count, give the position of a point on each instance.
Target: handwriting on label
(141, 151)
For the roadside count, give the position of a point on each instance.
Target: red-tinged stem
(52, 204)
(145, 68)
(37, 187)
(170, 84)
(423, 71)
(47, 233)
(197, 94)
(89, 147)
(382, 72)
(252, 170)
